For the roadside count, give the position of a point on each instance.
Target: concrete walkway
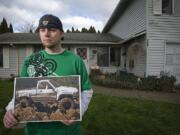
(156, 96)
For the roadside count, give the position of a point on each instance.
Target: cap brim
(49, 26)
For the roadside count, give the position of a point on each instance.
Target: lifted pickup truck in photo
(45, 88)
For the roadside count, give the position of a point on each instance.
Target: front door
(83, 53)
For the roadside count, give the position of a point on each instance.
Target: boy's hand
(68, 122)
(9, 120)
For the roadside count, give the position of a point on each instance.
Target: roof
(69, 38)
(122, 5)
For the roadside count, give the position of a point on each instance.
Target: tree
(27, 28)
(92, 30)
(68, 31)
(77, 31)
(72, 30)
(11, 28)
(83, 30)
(4, 26)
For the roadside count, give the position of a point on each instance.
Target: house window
(82, 52)
(167, 6)
(169, 59)
(1, 57)
(103, 57)
(109, 56)
(115, 56)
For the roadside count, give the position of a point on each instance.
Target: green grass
(6, 93)
(115, 115)
(125, 116)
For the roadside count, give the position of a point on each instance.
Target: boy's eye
(41, 30)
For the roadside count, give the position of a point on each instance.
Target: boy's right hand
(9, 120)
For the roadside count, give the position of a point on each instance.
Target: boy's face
(50, 37)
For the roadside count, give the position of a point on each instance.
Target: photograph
(47, 99)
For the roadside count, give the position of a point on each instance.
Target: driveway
(148, 95)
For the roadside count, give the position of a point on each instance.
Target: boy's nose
(46, 31)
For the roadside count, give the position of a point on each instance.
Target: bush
(167, 83)
(149, 83)
(124, 81)
(130, 81)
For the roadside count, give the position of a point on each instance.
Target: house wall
(160, 29)
(15, 60)
(136, 52)
(132, 21)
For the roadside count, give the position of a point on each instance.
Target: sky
(73, 13)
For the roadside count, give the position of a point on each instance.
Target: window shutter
(157, 7)
(5, 57)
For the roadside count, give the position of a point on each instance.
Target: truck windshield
(54, 83)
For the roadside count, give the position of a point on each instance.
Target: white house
(141, 37)
(150, 33)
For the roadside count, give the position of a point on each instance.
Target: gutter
(85, 43)
(94, 43)
(133, 36)
(20, 43)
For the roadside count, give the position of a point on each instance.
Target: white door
(172, 64)
(84, 53)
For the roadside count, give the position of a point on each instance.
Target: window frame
(172, 8)
(110, 61)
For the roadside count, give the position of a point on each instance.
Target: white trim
(173, 7)
(109, 56)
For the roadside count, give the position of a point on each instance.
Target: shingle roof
(69, 38)
(7, 38)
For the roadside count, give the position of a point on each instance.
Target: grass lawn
(109, 115)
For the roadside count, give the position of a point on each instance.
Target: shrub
(149, 83)
(130, 81)
(128, 77)
(167, 83)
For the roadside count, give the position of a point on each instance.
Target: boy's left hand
(68, 122)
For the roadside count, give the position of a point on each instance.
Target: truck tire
(25, 102)
(66, 104)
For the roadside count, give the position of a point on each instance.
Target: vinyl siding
(155, 57)
(132, 21)
(5, 72)
(160, 29)
(14, 62)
